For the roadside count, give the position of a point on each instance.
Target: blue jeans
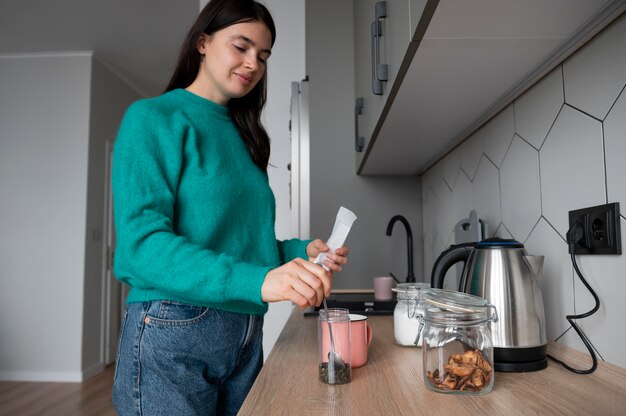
(179, 359)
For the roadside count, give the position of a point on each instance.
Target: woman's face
(234, 60)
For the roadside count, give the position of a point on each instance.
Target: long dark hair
(244, 111)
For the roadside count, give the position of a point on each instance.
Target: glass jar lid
(410, 290)
(442, 304)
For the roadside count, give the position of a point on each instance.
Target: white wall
(52, 185)
(559, 147)
(330, 66)
(44, 132)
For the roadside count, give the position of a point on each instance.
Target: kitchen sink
(359, 303)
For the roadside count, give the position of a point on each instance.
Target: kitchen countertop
(391, 383)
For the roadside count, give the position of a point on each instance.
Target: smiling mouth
(244, 78)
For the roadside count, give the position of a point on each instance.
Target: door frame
(113, 295)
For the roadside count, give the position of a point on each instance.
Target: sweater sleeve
(291, 249)
(147, 163)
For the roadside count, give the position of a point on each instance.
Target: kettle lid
(497, 242)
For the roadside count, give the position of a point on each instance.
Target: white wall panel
(471, 151)
(536, 110)
(486, 186)
(519, 181)
(595, 76)
(605, 274)
(615, 149)
(497, 135)
(572, 167)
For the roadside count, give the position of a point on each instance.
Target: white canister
(405, 322)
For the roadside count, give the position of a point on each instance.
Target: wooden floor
(90, 398)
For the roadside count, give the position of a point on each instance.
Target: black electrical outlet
(601, 228)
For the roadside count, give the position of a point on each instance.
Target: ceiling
(138, 39)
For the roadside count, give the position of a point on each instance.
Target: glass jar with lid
(333, 328)
(405, 313)
(457, 347)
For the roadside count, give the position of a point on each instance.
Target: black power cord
(574, 236)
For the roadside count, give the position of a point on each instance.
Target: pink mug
(351, 339)
(361, 337)
(382, 288)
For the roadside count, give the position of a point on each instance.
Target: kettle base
(521, 367)
(520, 360)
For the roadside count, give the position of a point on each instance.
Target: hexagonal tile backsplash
(560, 146)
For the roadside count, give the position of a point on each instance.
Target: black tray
(359, 303)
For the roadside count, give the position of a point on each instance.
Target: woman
(194, 216)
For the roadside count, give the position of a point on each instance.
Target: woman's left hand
(334, 261)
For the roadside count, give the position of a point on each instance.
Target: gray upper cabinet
(383, 32)
(454, 64)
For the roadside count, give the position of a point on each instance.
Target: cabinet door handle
(359, 141)
(381, 13)
(377, 85)
(379, 71)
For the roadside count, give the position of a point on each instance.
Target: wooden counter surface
(391, 383)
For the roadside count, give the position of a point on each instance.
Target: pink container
(382, 288)
(354, 337)
(361, 334)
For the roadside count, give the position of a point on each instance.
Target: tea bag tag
(343, 223)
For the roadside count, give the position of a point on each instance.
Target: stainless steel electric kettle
(502, 272)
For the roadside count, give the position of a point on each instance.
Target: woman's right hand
(299, 281)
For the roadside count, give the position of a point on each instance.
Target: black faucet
(409, 239)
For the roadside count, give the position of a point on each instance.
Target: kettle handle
(451, 256)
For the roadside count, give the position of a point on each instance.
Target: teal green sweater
(194, 215)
